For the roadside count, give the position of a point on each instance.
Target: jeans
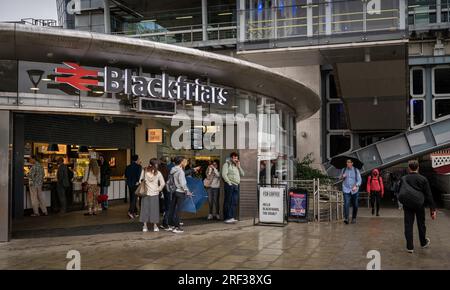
(175, 206)
(375, 197)
(104, 191)
(132, 209)
(231, 200)
(409, 223)
(353, 199)
(213, 199)
(61, 189)
(167, 204)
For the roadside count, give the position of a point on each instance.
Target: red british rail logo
(77, 78)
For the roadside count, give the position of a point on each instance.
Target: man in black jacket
(419, 183)
(132, 174)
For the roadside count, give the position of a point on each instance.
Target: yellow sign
(155, 136)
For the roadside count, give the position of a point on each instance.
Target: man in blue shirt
(350, 186)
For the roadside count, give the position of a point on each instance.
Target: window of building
(417, 112)
(336, 117)
(339, 143)
(331, 88)
(441, 81)
(417, 82)
(441, 108)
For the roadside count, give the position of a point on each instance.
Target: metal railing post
(318, 200)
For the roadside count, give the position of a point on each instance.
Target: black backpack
(409, 196)
(170, 185)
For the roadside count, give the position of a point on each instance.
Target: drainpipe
(107, 17)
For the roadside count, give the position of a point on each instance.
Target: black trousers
(409, 223)
(131, 191)
(175, 208)
(375, 197)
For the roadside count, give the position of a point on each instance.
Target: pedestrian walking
(375, 189)
(62, 184)
(415, 195)
(350, 187)
(105, 177)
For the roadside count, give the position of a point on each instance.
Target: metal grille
(79, 130)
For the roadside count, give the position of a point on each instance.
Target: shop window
(441, 81)
(417, 112)
(337, 119)
(338, 144)
(441, 108)
(417, 82)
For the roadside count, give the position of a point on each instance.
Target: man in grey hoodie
(180, 193)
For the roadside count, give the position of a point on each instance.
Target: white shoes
(144, 229)
(230, 221)
(427, 244)
(155, 228)
(210, 217)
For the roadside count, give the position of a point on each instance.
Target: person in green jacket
(231, 174)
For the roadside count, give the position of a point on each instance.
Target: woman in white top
(154, 182)
(92, 178)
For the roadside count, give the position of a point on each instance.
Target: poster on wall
(271, 205)
(155, 136)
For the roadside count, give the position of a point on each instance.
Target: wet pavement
(215, 245)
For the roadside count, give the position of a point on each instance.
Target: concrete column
(438, 11)
(204, 20)
(242, 24)
(107, 17)
(309, 18)
(403, 14)
(5, 200)
(328, 17)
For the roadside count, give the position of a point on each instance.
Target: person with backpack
(375, 189)
(177, 185)
(415, 194)
(350, 186)
(132, 174)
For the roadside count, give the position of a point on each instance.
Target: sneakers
(34, 214)
(346, 222)
(410, 251)
(427, 244)
(234, 220)
(177, 230)
(168, 229)
(210, 217)
(155, 228)
(229, 221)
(145, 229)
(131, 216)
(217, 217)
(378, 214)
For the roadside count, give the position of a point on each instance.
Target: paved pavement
(215, 245)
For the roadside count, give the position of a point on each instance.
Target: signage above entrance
(125, 81)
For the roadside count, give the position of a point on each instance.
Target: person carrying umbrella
(350, 186)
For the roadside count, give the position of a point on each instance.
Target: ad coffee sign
(271, 204)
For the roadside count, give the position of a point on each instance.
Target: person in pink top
(375, 189)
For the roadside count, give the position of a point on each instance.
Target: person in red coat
(375, 188)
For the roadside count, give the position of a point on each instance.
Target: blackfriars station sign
(123, 81)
